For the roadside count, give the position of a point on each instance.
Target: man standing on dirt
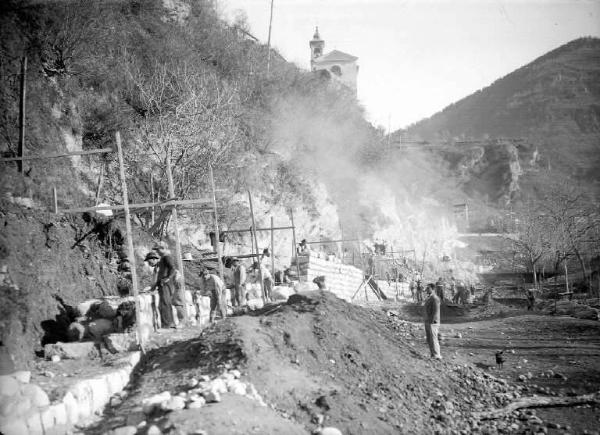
(215, 288)
(431, 318)
(239, 283)
(165, 284)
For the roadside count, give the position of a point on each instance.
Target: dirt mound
(359, 369)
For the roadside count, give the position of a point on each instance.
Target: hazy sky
(418, 56)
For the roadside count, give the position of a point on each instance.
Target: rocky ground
(318, 362)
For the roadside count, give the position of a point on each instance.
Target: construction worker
(212, 285)
(239, 283)
(267, 279)
(165, 284)
(439, 288)
(152, 258)
(431, 319)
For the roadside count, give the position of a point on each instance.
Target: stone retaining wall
(341, 279)
(25, 408)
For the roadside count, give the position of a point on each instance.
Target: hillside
(543, 116)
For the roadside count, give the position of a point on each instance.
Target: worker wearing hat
(165, 284)
(213, 286)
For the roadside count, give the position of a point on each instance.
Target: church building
(336, 64)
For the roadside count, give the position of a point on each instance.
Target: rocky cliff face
(543, 116)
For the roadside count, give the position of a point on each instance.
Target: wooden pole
(269, 40)
(256, 229)
(177, 240)
(22, 114)
(217, 235)
(152, 193)
(130, 244)
(58, 155)
(260, 275)
(100, 181)
(295, 252)
(55, 199)
(272, 248)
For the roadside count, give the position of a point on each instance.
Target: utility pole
(269, 39)
(216, 215)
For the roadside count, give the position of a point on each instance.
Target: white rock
(125, 430)
(196, 402)
(9, 386)
(150, 403)
(218, 385)
(34, 423)
(237, 387)
(14, 426)
(227, 377)
(154, 430)
(236, 373)
(55, 359)
(173, 404)
(71, 408)
(38, 397)
(23, 376)
(330, 431)
(192, 383)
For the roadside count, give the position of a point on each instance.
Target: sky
(418, 56)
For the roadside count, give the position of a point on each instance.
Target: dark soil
(362, 370)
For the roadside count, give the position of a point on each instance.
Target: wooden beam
(216, 216)
(260, 274)
(57, 155)
(324, 242)
(272, 249)
(140, 205)
(249, 230)
(140, 337)
(177, 240)
(295, 250)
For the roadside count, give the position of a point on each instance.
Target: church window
(336, 70)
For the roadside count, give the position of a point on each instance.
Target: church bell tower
(317, 45)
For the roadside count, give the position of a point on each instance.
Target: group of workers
(459, 291)
(171, 294)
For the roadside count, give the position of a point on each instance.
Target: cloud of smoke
(381, 192)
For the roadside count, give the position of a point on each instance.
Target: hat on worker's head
(188, 257)
(235, 260)
(152, 255)
(160, 245)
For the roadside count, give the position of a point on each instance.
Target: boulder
(99, 328)
(173, 404)
(38, 397)
(14, 426)
(76, 331)
(84, 307)
(282, 293)
(9, 386)
(212, 397)
(23, 376)
(153, 402)
(121, 342)
(330, 431)
(78, 350)
(125, 430)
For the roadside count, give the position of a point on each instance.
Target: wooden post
(295, 252)
(217, 235)
(100, 181)
(272, 249)
(22, 108)
(269, 40)
(152, 193)
(260, 275)
(55, 199)
(177, 240)
(130, 244)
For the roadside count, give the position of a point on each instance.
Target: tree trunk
(539, 402)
